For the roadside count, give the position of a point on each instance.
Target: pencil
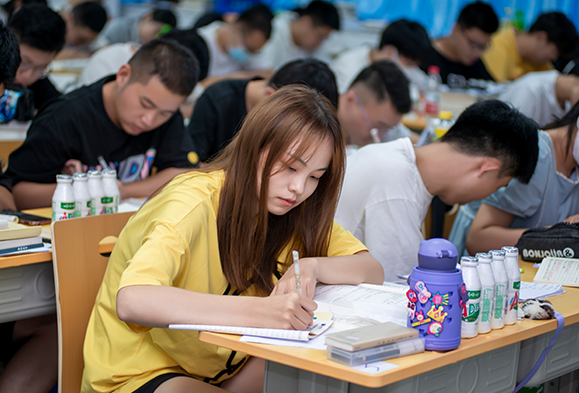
(296, 257)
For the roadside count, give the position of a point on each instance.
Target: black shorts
(7, 346)
(154, 383)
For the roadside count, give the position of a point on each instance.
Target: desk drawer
(561, 359)
(26, 291)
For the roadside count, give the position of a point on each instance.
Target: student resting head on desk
(84, 22)
(551, 195)
(130, 119)
(228, 230)
(388, 187)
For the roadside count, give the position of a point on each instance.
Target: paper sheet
(533, 290)
(563, 271)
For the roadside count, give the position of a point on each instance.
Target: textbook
(28, 243)
(317, 328)
(12, 230)
(564, 271)
(370, 336)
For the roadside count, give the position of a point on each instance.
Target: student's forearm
(144, 188)
(6, 199)
(491, 238)
(159, 306)
(28, 195)
(350, 269)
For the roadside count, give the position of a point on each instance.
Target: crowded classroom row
(250, 139)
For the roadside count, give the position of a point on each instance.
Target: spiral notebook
(317, 328)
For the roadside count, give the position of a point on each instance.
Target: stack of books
(16, 237)
(372, 343)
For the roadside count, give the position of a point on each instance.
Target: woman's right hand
(289, 311)
(572, 219)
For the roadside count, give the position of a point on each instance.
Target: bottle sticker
(67, 205)
(411, 295)
(516, 285)
(420, 319)
(435, 329)
(411, 310)
(471, 312)
(437, 314)
(473, 294)
(105, 200)
(438, 299)
(423, 294)
(514, 302)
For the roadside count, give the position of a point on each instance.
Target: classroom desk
(449, 101)
(27, 280)
(489, 362)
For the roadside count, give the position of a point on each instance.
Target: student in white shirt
(234, 47)
(543, 96)
(371, 109)
(388, 187)
(301, 33)
(404, 42)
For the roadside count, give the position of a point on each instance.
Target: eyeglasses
(473, 44)
(374, 132)
(38, 70)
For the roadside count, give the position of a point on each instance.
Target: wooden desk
(27, 281)
(492, 358)
(449, 101)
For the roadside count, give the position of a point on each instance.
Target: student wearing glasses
(458, 55)
(41, 35)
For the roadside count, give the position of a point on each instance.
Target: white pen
(296, 257)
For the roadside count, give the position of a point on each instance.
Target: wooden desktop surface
(26, 259)
(449, 101)
(316, 360)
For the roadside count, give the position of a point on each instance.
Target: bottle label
(487, 305)
(471, 312)
(67, 205)
(105, 200)
(517, 285)
(500, 301)
(473, 294)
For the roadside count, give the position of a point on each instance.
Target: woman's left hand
(308, 278)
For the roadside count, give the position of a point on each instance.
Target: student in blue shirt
(551, 196)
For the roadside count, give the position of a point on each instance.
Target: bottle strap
(560, 324)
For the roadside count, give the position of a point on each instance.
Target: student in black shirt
(130, 120)
(220, 111)
(40, 33)
(460, 52)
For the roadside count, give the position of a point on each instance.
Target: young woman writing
(214, 247)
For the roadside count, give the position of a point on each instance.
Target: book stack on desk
(16, 237)
(373, 343)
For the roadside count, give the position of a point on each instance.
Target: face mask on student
(239, 54)
(576, 145)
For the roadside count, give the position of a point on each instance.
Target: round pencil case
(559, 241)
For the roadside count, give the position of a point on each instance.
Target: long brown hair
(249, 245)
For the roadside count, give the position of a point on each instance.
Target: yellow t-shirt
(171, 240)
(503, 61)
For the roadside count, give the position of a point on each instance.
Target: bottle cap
(484, 257)
(445, 115)
(110, 173)
(63, 178)
(80, 176)
(469, 261)
(433, 69)
(437, 254)
(510, 251)
(94, 174)
(497, 254)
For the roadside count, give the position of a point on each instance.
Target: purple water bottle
(437, 295)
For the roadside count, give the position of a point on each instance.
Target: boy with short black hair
(388, 187)
(371, 109)
(41, 35)
(131, 121)
(514, 53)
(220, 111)
(301, 33)
(84, 23)
(459, 54)
(404, 42)
(234, 47)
